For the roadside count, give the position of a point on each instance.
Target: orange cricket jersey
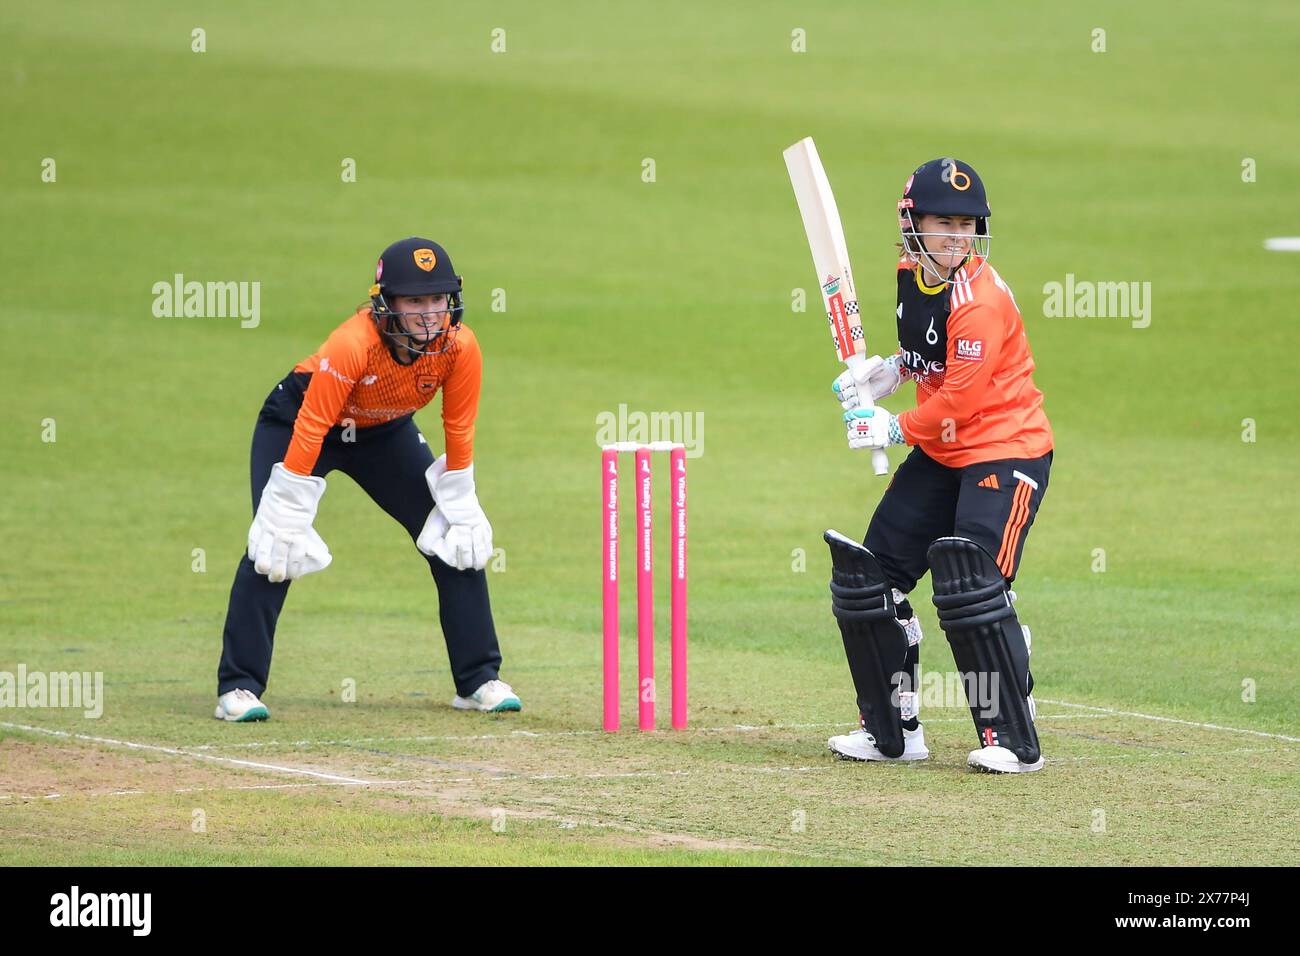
(355, 378)
(978, 402)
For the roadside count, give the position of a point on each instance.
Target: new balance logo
(990, 482)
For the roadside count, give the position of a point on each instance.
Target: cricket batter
(348, 407)
(961, 503)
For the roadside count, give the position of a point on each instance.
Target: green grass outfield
(673, 295)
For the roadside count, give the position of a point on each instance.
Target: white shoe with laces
(1000, 760)
(860, 745)
(240, 706)
(492, 697)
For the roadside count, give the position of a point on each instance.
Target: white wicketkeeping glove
(881, 376)
(457, 531)
(282, 544)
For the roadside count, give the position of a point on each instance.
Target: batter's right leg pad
(988, 644)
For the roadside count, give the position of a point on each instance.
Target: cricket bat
(821, 221)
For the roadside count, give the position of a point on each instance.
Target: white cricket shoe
(860, 745)
(492, 696)
(1000, 760)
(240, 705)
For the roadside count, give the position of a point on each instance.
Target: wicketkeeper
(964, 499)
(348, 407)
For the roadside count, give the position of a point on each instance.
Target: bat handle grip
(879, 460)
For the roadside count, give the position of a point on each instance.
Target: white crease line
(528, 734)
(628, 775)
(1169, 753)
(1172, 720)
(252, 786)
(829, 766)
(186, 753)
(637, 774)
(631, 774)
(284, 786)
(513, 735)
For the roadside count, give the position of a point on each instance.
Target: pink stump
(609, 549)
(645, 592)
(677, 491)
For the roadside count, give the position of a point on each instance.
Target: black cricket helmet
(944, 187)
(416, 266)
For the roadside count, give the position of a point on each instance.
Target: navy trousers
(388, 461)
(993, 503)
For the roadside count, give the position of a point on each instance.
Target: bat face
(821, 222)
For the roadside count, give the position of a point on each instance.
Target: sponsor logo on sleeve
(329, 369)
(970, 350)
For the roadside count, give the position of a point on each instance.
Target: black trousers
(388, 461)
(993, 503)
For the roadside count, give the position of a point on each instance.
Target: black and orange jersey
(964, 345)
(354, 378)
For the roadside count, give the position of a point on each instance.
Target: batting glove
(282, 544)
(880, 377)
(872, 428)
